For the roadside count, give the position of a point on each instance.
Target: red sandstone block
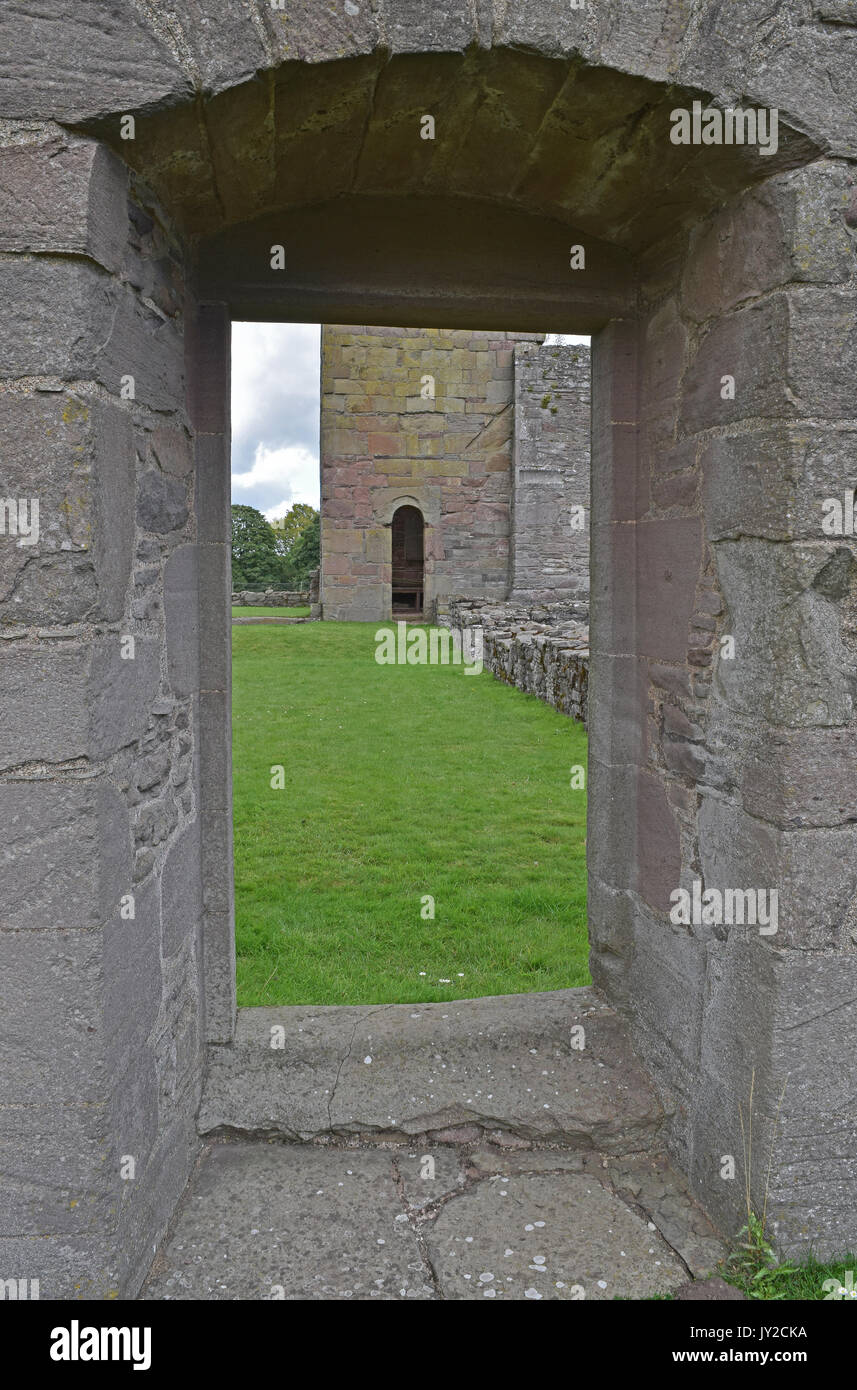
(385, 445)
(337, 564)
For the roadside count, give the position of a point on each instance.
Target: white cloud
(275, 413)
(291, 473)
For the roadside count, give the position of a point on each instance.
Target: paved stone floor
(271, 1220)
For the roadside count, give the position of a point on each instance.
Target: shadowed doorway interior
(408, 561)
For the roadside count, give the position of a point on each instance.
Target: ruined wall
(387, 440)
(101, 904)
(271, 598)
(550, 492)
(542, 650)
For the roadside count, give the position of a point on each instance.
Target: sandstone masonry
(486, 434)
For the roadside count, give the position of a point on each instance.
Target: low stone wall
(543, 649)
(271, 598)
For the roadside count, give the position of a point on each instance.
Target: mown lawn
(400, 782)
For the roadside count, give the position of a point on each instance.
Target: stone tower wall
(496, 459)
(384, 443)
(550, 492)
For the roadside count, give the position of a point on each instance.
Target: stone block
(791, 663)
(752, 346)
(120, 693)
(181, 889)
(75, 701)
(53, 1017)
(219, 923)
(794, 222)
(213, 489)
(669, 558)
(822, 347)
(779, 1021)
(133, 1120)
(121, 63)
(65, 319)
(794, 778)
(75, 456)
(182, 614)
(131, 963)
(172, 449)
(161, 503)
(215, 749)
(299, 31)
(612, 595)
(772, 484)
(56, 1171)
(811, 870)
(611, 830)
(658, 851)
(225, 42)
(65, 195)
(610, 916)
(616, 704)
(66, 859)
(666, 984)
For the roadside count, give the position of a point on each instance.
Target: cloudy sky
(275, 405)
(275, 401)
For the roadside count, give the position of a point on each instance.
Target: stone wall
(722, 715)
(543, 650)
(419, 416)
(101, 911)
(550, 494)
(271, 598)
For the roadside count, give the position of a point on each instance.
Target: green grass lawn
(400, 781)
(261, 612)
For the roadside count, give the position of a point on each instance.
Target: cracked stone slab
(547, 1236)
(654, 1185)
(486, 1162)
(458, 1071)
(427, 1174)
(274, 1221)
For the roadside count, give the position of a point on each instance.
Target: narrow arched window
(408, 561)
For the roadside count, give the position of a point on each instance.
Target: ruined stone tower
(484, 437)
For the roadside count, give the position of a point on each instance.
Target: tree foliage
(281, 555)
(288, 527)
(255, 562)
(305, 555)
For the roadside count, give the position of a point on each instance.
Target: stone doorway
(408, 562)
(276, 168)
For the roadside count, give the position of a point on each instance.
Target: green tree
(255, 561)
(289, 526)
(305, 555)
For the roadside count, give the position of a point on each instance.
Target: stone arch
(262, 129)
